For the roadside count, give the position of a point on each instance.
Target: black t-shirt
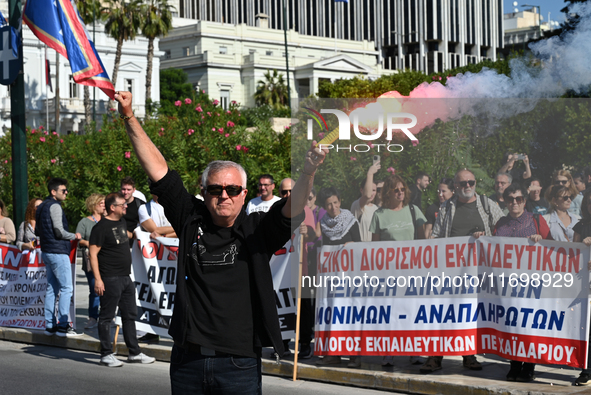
(432, 212)
(416, 196)
(466, 220)
(583, 228)
(495, 199)
(114, 258)
(220, 292)
(131, 216)
(537, 207)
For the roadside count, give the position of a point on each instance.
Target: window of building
(269, 53)
(129, 85)
(283, 54)
(223, 50)
(73, 88)
(224, 99)
(186, 51)
(167, 54)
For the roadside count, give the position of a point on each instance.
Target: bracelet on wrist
(125, 117)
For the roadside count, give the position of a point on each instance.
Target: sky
(552, 6)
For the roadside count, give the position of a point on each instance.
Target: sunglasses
(566, 198)
(516, 199)
(217, 190)
(310, 198)
(464, 184)
(398, 190)
(560, 182)
(286, 191)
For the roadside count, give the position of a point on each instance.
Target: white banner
(456, 296)
(23, 281)
(154, 265)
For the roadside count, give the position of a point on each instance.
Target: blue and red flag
(58, 24)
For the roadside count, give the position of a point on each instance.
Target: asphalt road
(33, 369)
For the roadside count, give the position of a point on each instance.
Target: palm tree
(157, 21)
(271, 90)
(90, 11)
(122, 22)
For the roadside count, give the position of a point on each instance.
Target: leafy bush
(197, 132)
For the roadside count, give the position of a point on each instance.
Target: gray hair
(508, 175)
(219, 165)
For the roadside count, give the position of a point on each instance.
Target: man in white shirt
(363, 208)
(153, 220)
(267, 199)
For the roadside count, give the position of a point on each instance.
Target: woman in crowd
(560, 219)
(7, 231)
(564, 178)
(398, 220)
(445, 190)
(338, 226)
(583, 234)
(95, 204)
(520, 223)
(26, 238)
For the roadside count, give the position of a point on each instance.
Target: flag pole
(46, 92)
(20, 192)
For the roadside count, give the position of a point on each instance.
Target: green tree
(122, 22)
(90, 11)
(157, 21)
(173, 87)
(271, 90)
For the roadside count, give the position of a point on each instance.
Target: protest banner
(23, 281)
(457, 296)
(154, 265)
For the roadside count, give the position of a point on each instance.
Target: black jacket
(263, 234)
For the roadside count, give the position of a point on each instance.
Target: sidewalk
(453, 379)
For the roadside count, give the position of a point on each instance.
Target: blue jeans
(94, 300)
(59, 280)
(193, 373)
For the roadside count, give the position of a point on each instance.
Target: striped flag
(58, 24)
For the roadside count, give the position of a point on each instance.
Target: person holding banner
(583, 235)
(339, 226)
(445, 190)
(224, 311)
(465, 214)
(110, 259)
(560, 218)
(521, 223)
(25, 237)
(397, 220)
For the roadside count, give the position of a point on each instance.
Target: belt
(200, 350)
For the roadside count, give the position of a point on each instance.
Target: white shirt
(364, 216)
(157, 214)
(557, 229)
(258, 204)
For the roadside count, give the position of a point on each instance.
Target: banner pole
(115, 340)
(298, 310)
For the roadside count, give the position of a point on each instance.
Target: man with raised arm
(225, 304)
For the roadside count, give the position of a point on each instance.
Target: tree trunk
(116, 68)
(87, 107)
(149, 76)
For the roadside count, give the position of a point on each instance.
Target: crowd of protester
(386, 210)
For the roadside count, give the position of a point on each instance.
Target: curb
(454, 382)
